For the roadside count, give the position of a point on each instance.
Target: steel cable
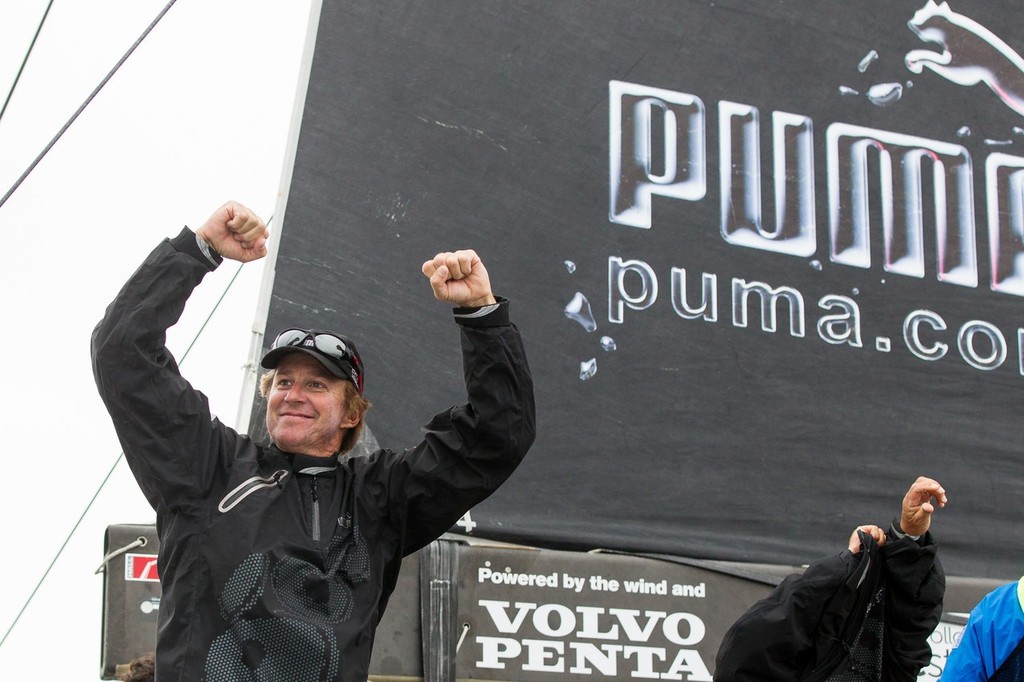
(88, 99)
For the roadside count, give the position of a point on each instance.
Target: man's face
(306, 407)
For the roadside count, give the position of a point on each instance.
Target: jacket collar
(308, 464)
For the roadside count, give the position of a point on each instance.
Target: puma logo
(971, 53)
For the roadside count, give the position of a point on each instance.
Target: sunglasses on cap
(341, 352)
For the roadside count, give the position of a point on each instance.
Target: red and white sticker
(141, 567)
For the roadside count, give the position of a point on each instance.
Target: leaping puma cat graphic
(971, 53)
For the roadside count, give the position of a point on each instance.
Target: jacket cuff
(495, 315)
(897, 531)
(187, 241)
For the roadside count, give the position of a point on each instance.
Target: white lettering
(709, 296)
(538, 652)
(902, 204)
(642, 166)
(694, 628)
(565, 620)
(508, 577)
(591, 624)
(644, 660)
(996, 342)
(618, 297)
(628, 619)
(912, 335)
(769, 297)
(1004, 196)
(496, 610)
(740, 175)
(657, 147)
(689, 662)
(493, 649)
(842, 327)
(604, 658)
(573, 583)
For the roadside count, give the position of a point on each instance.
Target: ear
(351, 419)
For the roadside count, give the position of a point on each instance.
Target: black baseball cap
(334, 351)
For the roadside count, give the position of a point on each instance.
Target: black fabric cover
(532, 131)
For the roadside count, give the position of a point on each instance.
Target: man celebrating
(277, 561)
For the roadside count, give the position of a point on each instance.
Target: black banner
(768, 258)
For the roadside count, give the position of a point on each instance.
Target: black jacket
(864, 616)
(274, 566)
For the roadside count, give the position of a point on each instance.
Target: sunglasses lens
(328, 344)
(332, 345)
(290, 337)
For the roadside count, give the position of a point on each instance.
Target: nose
(294, 394)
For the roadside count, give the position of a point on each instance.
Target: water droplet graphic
(856, 291)
(608, 343)
(1017, 130)
(963, 131)
(815, 265)
(885, 94)
(579, 309)
(588, 369)
(866, 62)
(847, 91)
(570, 266)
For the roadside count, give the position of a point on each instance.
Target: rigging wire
(117, 461)
(24, 61)
(86, 103)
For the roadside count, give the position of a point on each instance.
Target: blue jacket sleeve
(993, 631)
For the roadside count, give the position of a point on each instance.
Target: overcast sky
(200, 113)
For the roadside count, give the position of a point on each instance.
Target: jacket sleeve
(966, 663)
(915, 585)
(775, 638)
(468, 450)
(161, 422)
(989, 643)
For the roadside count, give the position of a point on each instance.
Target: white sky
(199, 114)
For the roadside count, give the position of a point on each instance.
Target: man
(863, 614)
(277, 561)
(991, 647)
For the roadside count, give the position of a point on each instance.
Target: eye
(317, 385)
(282, 383)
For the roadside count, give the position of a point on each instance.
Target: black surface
(485, 124)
